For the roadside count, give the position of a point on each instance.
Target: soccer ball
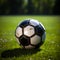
(30, 34)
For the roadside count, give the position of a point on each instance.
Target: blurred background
(21, 7)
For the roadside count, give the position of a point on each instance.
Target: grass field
(10, 49)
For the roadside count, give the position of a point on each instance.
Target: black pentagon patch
(24, 41)
(24, 23)
(39, 30)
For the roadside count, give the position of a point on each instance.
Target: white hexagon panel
(18, 31)
(35, 40)
(29, 31)
(29, 47)
(34, 22)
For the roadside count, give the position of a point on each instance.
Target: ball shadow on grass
(18, 52)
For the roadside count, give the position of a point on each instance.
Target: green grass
(10, 49)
